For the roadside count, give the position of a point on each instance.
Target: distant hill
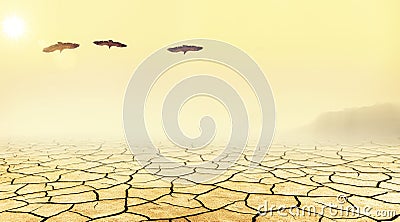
(363, 123)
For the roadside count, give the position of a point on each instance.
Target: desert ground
(101, 181)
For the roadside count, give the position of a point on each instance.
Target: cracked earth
(101, 181)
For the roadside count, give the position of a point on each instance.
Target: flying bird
(109, 43)
(185, 48)
(60, 46)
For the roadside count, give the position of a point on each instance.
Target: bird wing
(175, 49)
(52, 48)
(118, 44)
(197, 48)
(192, 48)
(101, 43)
(70, 45)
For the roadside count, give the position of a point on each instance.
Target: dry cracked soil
(101, 181)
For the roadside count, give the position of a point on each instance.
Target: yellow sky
(317, 55)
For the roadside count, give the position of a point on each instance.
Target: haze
(317, 55)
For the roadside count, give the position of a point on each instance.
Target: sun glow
(13, 27)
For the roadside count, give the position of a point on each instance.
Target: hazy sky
(317, 55)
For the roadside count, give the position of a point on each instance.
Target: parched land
(101, 181)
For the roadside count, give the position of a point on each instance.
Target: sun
(13, 27)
